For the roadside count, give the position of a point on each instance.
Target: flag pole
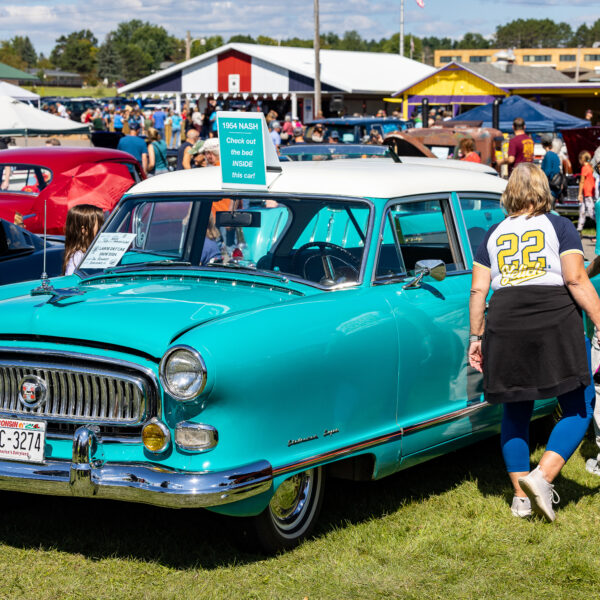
(401, 27)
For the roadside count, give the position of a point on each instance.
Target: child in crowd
(587, 186)
(83, 223)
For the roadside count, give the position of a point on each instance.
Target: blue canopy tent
(538, 118)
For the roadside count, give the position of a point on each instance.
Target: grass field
(70, 92)
(439, 530)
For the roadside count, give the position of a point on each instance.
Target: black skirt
(533, 345)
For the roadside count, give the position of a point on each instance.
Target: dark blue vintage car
(352, 130)
(21, 254)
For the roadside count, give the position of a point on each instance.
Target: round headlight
(183, 373)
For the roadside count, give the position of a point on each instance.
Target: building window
(445, 59)
(537, 58)
(568, 57)
(478, 59)
(592, 57)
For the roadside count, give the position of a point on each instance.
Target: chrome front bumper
(133, 482)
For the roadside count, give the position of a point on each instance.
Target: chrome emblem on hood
(32, 391)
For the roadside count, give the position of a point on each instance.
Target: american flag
(421, 3)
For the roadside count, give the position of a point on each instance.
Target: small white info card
(108, 250)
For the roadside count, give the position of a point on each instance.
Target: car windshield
(320, 241)
(307, 152)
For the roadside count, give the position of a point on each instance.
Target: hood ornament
(46, 288)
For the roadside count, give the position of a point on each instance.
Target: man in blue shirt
(551, 166)
(275, 129)
(158, 118)
(135, 145)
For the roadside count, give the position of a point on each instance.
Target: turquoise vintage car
(166, 372)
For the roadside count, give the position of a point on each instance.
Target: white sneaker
(521, 507)
(592, 466)
(541, 493)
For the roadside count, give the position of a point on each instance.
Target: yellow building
(561, 59)
(460, 87)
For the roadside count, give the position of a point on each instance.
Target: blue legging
(577, 409)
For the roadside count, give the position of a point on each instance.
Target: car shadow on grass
(189, 539)
(481, 463)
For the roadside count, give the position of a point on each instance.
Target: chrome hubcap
(291, 500)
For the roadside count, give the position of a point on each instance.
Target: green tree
(586, 36)
(533, 33)
(44, 63)
(241, 39)
(210, 43)
(8, 56)
(109, 60)
(135, 62)
(76, 52)
(24, 48)
(155, 45)
(472, 41)
(330, 40)
(266, 40)
(351, 40)
(297, 42)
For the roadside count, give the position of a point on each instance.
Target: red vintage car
(61, 177)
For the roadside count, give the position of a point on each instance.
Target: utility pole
(317, 61)
(401, 27)
(188, 45)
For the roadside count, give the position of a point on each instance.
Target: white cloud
(46, 21)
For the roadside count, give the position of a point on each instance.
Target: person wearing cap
(135, 145)
(334, 137)
(275, 129)
(299, 135)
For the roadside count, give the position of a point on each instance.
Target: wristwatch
(475, 338)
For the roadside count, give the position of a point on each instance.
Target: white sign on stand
(108, 250)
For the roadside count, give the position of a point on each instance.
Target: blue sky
(45, 20)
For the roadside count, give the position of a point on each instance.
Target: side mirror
(433, 267)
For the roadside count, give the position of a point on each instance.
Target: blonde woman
(157, 153)
(532, 345)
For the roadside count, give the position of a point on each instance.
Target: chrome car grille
(76, 394)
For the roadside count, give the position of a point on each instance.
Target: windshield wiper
(234, 265)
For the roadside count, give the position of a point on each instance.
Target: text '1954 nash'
(229, 349)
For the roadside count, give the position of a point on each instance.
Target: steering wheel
(339, 253)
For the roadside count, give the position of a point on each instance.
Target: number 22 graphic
(512, 249)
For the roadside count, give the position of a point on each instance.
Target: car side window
(480, 213)
(27, 179)
(420, 230)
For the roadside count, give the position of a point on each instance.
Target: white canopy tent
(17, 118)
(18, 93)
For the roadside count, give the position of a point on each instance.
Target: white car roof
(366, 178)
(450, 164)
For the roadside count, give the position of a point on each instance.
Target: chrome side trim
(447, 418)
(87, 476)
(377, 441)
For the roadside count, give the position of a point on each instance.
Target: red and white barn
(358, 81)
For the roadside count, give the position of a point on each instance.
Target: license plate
(22, 440)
